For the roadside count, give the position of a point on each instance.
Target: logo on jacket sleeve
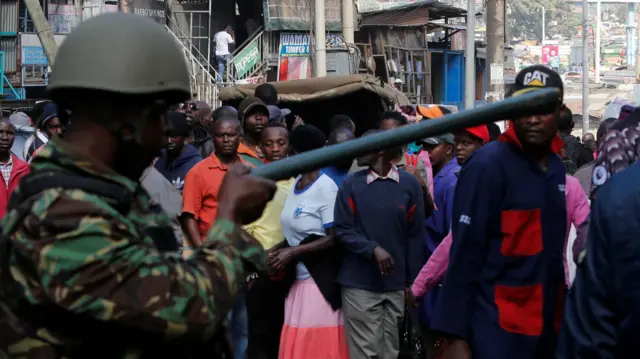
(464, 219)
(178, 183)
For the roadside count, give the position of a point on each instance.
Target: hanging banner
(154, 9)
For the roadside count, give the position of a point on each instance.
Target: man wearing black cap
(440, 150)
(254, 117)
(48, 126)
(178, 157)
(503, 296)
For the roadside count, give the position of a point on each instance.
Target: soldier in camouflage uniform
(88, 267)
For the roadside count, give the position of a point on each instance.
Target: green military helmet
(121, 53)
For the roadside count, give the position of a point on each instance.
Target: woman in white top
(312, 328)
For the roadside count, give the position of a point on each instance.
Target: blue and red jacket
(504, 289)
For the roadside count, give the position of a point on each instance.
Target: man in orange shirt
(202, 182)
(200, 206)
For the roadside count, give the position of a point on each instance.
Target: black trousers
(265, 309)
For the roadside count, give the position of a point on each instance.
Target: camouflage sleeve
(89, 260)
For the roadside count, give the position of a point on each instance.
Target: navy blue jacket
(503, 291)
(383, 213)
(176, 171)
(602, 315)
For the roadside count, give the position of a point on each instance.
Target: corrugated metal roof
(437, 25)
(9, 45)
(9, 16)
(415, 14)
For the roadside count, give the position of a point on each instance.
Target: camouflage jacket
(91, 283)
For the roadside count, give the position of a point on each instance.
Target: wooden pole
(45, 33)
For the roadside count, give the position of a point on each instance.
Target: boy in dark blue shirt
(340, 170)
(379, 218)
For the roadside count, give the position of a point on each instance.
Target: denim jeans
(222, 61)
(238, 327)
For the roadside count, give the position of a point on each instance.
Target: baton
(542, 101)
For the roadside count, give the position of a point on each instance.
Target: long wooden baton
(534, 103)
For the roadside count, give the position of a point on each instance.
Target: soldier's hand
(242, 196)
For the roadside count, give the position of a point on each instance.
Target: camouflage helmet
(120, 53)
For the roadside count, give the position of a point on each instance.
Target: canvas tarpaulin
(321, 88)
(363, 98)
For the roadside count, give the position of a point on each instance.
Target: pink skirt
(312, 329)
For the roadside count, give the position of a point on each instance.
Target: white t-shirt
(222, 39)
(308, 211)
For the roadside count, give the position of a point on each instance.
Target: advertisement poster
(251, 80)
(63, 18)
(295, 54)
(155, 9)
(247, 59)
(550, 55)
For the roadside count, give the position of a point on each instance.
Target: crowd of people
(460, 241)
(357, 248)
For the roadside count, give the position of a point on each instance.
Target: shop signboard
(154, 9)
(295, 54)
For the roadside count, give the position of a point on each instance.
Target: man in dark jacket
(503, 297)
(602, 315)
(178, 157)
(200, 116)
(576, 152)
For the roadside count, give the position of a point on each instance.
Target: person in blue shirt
(178, 157)
(378, 219)
(339, 171)
(445, 167)
(503, 293)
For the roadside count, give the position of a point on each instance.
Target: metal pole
(585, 67)
(45, 33)
(320, 45)
(630, 25)
(537, 102)
(210, 39)
(347, 21)
(597, 46)
(543, 25)
(495, 49)
(470, 61)
(79, 10)
(638, 49)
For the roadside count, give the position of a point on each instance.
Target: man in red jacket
(11, 167)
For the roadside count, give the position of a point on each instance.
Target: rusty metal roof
(414, 14)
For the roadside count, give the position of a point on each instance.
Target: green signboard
(247, 59)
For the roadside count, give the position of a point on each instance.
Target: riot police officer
(88, 267)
